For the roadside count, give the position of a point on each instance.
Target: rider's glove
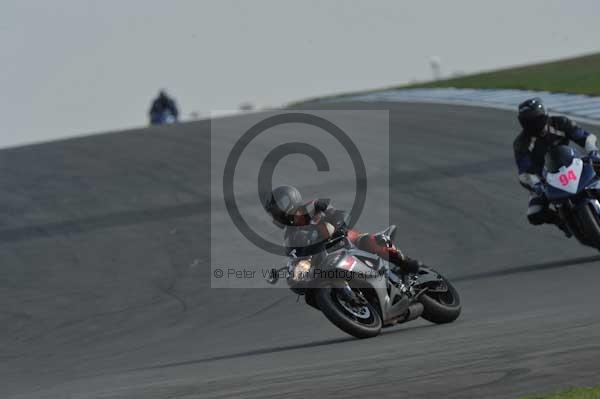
(341, 229)
(538, 189)
(337, 230)
(339, 220)
(594, 156)
(321, 205)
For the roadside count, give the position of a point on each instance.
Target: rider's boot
(403, 264)
(384, 247)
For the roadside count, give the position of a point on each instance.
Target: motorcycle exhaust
(414, 311)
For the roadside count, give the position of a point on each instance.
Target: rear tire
(333, 309)
(441, 308)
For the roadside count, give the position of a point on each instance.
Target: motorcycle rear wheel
(443, 305)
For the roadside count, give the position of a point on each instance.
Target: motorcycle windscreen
(559, 157)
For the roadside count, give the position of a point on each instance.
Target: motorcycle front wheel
(360, 321)
(590, 223)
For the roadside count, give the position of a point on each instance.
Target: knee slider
(544, 216)
(536, 218)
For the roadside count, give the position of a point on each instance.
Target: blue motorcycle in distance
(572, 187)
(164, 117)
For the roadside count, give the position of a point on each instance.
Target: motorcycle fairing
(570, 180)
(567, 178)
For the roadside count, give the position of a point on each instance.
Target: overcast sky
(82, 66)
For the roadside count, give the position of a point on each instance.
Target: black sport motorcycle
(572, 187)
(357, 290)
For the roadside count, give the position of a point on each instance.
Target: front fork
(596, 204)
(347, 294)
(566, 209)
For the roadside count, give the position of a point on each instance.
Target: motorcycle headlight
(301, 269)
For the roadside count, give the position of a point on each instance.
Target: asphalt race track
(105, 277)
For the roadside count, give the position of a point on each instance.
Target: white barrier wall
(575, 105)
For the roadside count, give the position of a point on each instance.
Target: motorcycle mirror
(273, 276)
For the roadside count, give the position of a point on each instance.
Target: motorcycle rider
(161, 104)
(285, 206)
(540, 133)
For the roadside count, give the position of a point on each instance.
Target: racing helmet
(280, 204)
(533, 116)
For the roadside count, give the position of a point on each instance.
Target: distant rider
(286, 208)
(161, 104)
(540, 133)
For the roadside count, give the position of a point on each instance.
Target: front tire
(441, 303)
(590, 224)
(360, 323)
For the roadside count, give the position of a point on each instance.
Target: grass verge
(580, 75)
(575, 393)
